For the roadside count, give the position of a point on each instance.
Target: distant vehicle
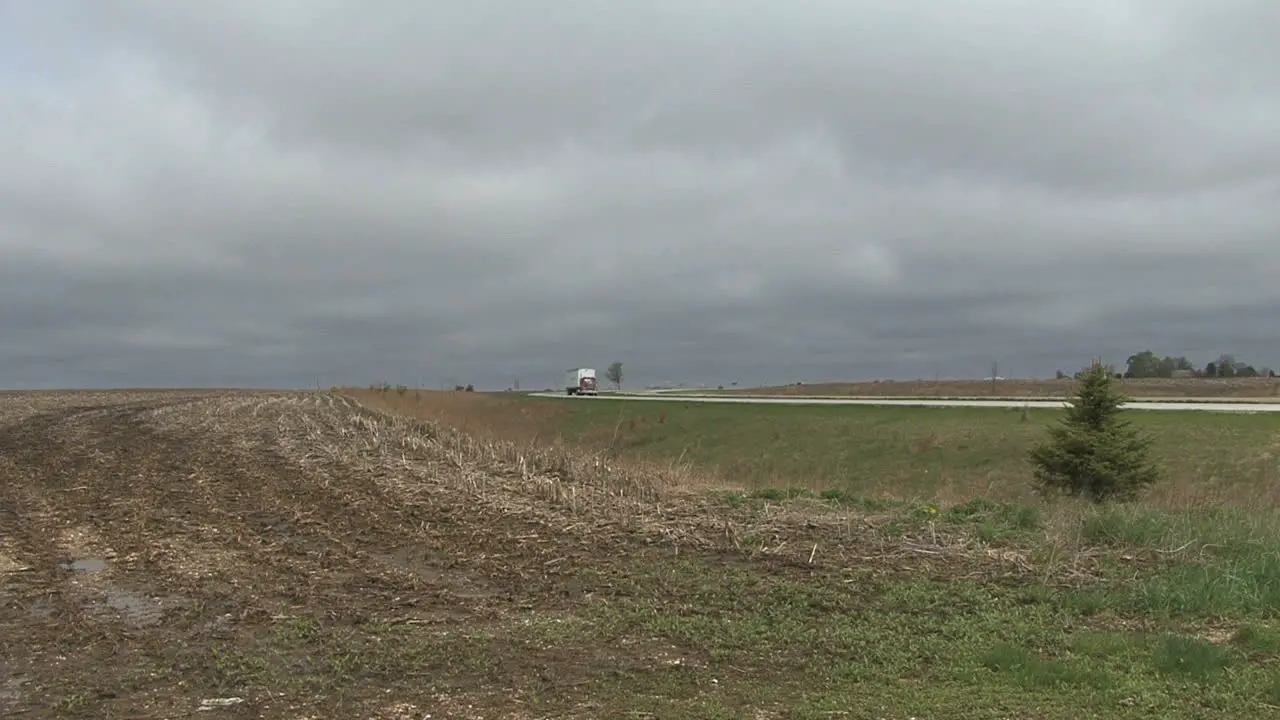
(580, 381)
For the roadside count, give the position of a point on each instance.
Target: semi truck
(580, 381)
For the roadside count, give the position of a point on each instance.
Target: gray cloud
(272, 193)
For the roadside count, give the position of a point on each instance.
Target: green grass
(909, 646)
(1258, 639)
(918, 453)
(697, 638)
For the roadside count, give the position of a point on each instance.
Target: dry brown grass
(521, 477)
(1239, 388)
(478, 414)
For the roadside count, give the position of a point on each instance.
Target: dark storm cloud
(299, 193)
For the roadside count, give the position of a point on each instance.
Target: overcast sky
(280, 193)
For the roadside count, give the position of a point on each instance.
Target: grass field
(304, 555)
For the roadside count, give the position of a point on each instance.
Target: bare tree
(614, 374)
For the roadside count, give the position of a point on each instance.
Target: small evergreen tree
(1093, 451)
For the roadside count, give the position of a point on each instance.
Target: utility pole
(995, 372)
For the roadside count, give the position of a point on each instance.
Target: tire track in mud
(52, 481)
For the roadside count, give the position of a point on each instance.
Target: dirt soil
(296, 555)
(1241, 388)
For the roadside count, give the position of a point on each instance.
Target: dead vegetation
(481, 415)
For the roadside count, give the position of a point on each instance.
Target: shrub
(1093, 452)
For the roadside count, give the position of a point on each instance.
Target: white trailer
(580, 381)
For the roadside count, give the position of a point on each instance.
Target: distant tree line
(1147, 364)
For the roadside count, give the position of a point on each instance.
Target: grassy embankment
(1167, 607)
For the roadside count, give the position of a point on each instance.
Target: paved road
(1190, 404)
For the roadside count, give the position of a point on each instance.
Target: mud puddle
(134, 608)
(89, 566)
(420, 562)
(416, 562)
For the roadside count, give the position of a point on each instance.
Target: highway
(1238, 406)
